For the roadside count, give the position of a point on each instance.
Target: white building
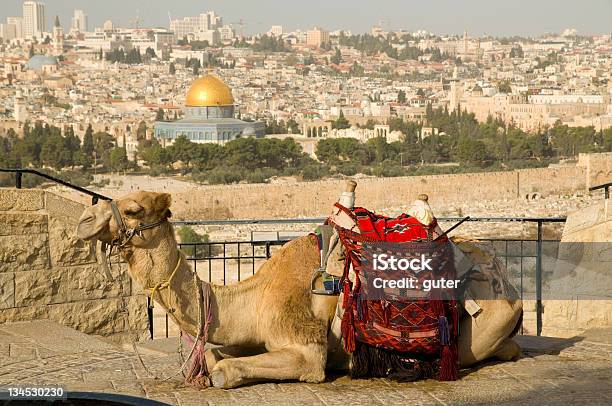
(79, 21)
(33, 19)
(192, 25)
(276, 31)
(7, 32)
(13, 29)
(227, 33)
(212, 36)
(20, 110)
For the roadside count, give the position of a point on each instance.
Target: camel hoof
(218, 379)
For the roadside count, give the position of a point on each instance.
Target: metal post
(150, 315)
(539, 281)
(18, 179)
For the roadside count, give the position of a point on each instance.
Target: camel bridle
(199, 370)
(126, 234)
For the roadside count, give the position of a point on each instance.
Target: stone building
(209, 116)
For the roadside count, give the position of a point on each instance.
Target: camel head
(136, 209)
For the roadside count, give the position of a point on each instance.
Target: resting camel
(273, 313)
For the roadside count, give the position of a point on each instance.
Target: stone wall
(46, 272)
(312, 198)
(598, 168)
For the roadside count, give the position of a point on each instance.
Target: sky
(478, 17)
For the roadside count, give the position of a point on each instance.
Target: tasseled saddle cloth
(403, 333)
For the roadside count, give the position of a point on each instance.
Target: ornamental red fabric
(411, 324)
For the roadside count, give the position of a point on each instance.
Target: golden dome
(209, 91)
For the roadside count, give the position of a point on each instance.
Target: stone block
(103, 316)
(24, 252)
(22, 223)
(60, 207)
(64, 285)
(66, 249)
(7, 290)
(21, 199)
(138, 318)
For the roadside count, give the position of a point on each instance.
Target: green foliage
(401, 97)
(118, 159)
(270, 44)
(504, 87)
(131, 57)
(337, 58)
(187, 235)
(341, 122)
(172, 69)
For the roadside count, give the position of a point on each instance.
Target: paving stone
(581, 372)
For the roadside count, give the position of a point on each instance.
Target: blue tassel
(444, 332)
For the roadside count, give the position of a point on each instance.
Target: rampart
(312, 198)
(46, 272)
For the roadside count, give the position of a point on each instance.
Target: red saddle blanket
(411, 320)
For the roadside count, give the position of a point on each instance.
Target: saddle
(394, 330)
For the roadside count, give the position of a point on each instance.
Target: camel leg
(304, 363)
(216, 354)
(508, 350)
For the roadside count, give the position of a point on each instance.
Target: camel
(269, 326)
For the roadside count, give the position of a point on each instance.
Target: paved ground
(553, 371)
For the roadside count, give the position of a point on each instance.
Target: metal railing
(238, 256)
(95, 197)
(267, 245)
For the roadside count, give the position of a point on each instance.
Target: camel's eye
(133, 210)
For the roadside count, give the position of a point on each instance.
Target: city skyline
(478, 17)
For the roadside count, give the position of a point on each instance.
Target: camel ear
(162, 204)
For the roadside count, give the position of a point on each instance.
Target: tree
(188, 236)
(152, 153)
(470, 151)
(150, 52)
(141, 132)
(196, 70)
(401, 97)
(341, 122)
(420, 92)
(118, 159)
(159, 116)
(181, 150)
(337, 58)
(87, 147)
(504, 87)
(172, 69)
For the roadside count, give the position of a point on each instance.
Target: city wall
(313, 198)
(46, 272)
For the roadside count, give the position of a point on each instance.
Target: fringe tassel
(386, 312)
(198, 376)
(372, 362)
(347, 327)
(449, 370)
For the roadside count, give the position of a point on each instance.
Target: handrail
(605, 187)
(19, 172)
(314, 220)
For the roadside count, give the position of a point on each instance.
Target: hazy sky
(495, 17)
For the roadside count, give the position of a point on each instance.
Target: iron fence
(217, 252)
(231, 261)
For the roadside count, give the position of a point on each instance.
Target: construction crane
(135, 22)
(242, 23)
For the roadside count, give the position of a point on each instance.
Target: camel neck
(155, 264)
